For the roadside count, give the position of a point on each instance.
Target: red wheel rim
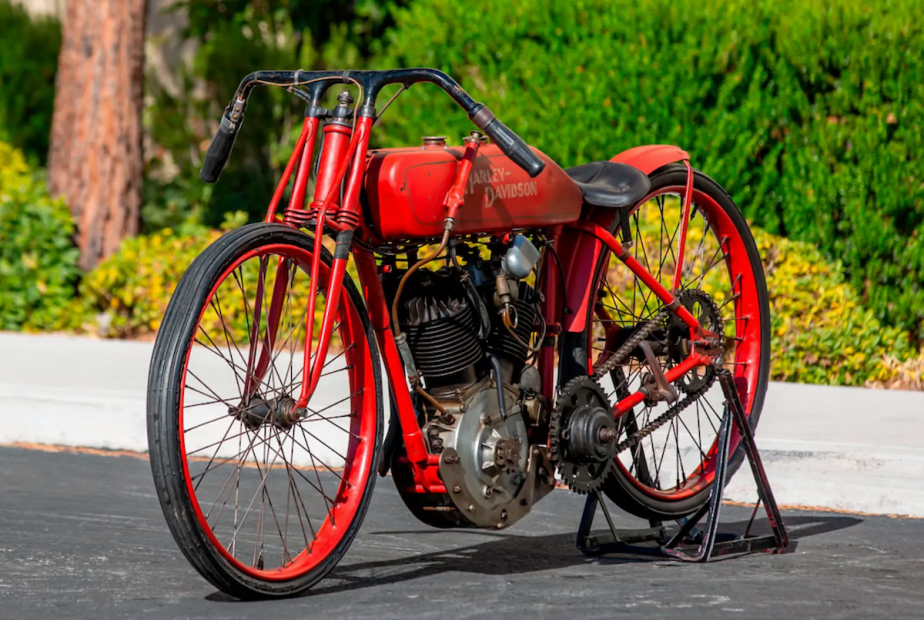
(741, 311)
(342, 494)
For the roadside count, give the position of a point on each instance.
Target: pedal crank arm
(655, 385)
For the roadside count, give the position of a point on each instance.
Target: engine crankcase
(492, 475)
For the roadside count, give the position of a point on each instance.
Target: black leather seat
(607, 184)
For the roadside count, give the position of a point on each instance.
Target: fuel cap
(434, 142)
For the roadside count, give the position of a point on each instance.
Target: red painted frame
(342, 164)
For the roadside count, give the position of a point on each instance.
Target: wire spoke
(296, 495)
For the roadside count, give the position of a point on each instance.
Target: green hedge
(28, 61)
(810, 112)
(821, 333)
(38, 260)
(126, 295)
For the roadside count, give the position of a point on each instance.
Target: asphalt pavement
(82, 536)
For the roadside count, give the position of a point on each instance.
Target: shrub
(820, 331)
(811, 113)
(27, 79)
(38, 260)
(127, 294)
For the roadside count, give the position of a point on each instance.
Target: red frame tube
(666, 297)
(280, 287)
(626, 404)
(684, 224)
(297, 200)
(306, 137)
(358, 168)
(380, 315)
(311, 372)
(253, 379)
(551, 309)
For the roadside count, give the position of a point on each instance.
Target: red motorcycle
(520, 320)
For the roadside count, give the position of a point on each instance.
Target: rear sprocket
(707, 312)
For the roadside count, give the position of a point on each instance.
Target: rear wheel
(669, 472)
(262, 499)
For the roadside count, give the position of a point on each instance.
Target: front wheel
(669, 472)
(263, 499)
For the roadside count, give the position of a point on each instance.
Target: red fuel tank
(405, 189)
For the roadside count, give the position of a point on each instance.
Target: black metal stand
(688, 543)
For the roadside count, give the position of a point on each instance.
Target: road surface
(82, 536)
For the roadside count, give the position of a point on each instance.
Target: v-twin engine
(469, 331)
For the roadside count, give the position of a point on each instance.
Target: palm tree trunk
(95, 160)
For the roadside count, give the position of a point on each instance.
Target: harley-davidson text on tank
(495, 188)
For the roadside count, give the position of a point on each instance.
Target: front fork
(327, 215)
(416, 449)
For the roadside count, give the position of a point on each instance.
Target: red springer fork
(355, 155)
(302, 154)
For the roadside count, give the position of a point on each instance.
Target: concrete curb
(840, 448)
(849, 449)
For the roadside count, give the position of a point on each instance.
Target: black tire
(618, 487)
(164, 387)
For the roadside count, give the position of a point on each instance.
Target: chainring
(580, 397)
(706, 311)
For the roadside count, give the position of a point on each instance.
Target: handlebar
(219, 150)
(513, 147)
(371, 83)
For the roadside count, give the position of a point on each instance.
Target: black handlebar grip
(219, 150)
(513, 147)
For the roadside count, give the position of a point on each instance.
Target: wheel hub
(278, 412)
(589, 434)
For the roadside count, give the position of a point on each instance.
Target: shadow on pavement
(513, 555)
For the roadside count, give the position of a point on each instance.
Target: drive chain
(673, 411)
(623, 352)
(620, 356)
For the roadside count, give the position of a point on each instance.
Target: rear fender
(650, 157)
(580, 253)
